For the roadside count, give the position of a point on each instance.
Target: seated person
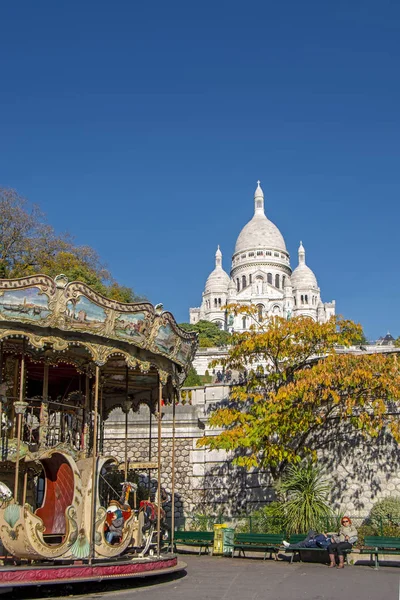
(344, 540)
(114, 523)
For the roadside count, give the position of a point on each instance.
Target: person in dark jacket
(313, 540)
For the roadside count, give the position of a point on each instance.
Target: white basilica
(261, 275)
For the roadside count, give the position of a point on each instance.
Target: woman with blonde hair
(343, 541)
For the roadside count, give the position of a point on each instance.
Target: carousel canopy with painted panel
(57, 314)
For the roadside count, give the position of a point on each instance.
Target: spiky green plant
(304, 492)
(201, 522)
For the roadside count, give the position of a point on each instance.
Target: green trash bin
(228, 540)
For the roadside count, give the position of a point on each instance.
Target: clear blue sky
(142, 127)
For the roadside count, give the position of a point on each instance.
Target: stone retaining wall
(361, 471)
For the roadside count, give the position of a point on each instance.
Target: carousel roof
(44, 308)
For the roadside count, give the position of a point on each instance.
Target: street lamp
(20, 407)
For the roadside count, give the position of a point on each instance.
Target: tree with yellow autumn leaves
(298, 386)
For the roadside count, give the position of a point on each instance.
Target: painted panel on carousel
(28, 304)
(131, 326)
(185, 351)
(166, 339)
(85, 314)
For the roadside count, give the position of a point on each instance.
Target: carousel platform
(12, 576)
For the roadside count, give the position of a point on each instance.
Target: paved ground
(218, 578)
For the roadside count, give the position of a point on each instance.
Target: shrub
(193, 379)
(305, 498)
(200, 522)
(375, 529)
(365, 530)
(268, 519)
(386, 512)
(206, 378)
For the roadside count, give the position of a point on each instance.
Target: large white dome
(260, 232)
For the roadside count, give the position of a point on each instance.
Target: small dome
(260, 232)
(303, 277)
(218, 280)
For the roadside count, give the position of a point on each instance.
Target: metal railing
(254, 524)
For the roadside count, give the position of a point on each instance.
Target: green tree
(210, 334)
(192, 378)
(285, 409)
(28, 245)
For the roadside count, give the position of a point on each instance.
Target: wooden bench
(257, 542)
(295, 538)
(203, 539)
(377, 544)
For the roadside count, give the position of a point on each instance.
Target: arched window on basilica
(238, 284)
(219, 301)
(260, 310)
(259, 285)
(244, 281)
(244, 323)
(215, 302)
(269, 278)
(277, 281)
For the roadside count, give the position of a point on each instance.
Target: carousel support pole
(44, 413)
(126, 407)
(150, 455)
(94, 466)
(1, 398)
(1, 426)
(101, 419)
(25, 488)
(15, 392)
(19, 407)
(159, 467)
(85, 444)
(173, 474)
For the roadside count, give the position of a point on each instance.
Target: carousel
(68, 357)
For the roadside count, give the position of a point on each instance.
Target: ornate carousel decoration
(68, 357)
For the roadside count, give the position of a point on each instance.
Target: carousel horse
(148, 513)
(118, 511)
